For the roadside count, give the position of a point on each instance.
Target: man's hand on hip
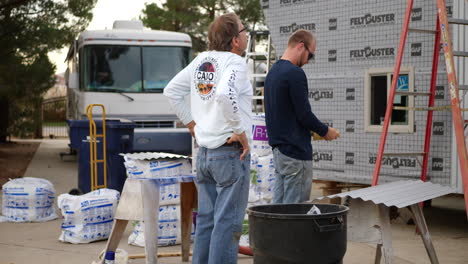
(191, 127)
(241, 138)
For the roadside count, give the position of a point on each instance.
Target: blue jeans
(223, 190)
(293, 179)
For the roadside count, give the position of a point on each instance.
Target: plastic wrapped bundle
(28, 200)
(169, 232)
(260, 144)
(266, 177)
(87, 217)
(160, 168)
(169, 193)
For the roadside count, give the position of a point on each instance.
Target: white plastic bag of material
(169, 193)
(169, 232)
(259, 136)
(28, 200)
(262, 179)
(314, 210)
(87, 217)
(255, 196)
(244, 240)
(266, 177)
(253, 161)
(160, 168)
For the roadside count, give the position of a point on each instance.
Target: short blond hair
(299, 36)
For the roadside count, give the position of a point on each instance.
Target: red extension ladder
(442, 36)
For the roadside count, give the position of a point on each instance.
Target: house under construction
(350, 79)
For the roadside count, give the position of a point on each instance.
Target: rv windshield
(131, 69)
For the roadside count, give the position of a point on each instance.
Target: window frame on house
(388, 72)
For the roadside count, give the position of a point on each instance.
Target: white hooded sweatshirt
(220, 97)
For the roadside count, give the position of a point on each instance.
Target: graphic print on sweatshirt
(206, 77)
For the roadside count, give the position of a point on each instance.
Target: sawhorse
(370, 223)
(140, 201)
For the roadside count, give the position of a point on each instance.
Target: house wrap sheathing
(348, 81)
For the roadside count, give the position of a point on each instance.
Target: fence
(53, 117)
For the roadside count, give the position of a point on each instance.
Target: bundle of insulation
(261, 164)
(170, 169)
(262, 181)
(260, 145)
(147, 168)
(88, 217)
(28, 200)
(262, 170)
(168, 228)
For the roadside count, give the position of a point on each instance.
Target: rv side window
(377, 90)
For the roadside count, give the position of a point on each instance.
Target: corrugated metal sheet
(399, 194)
(153, 155)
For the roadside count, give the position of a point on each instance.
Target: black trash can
(284, 233)
(119, 139)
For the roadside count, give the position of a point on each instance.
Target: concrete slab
(38, 242)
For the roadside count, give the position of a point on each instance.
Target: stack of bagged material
(261, 166)
(259, 135)
(149, 166)
(88, 217)
(262, 170)
(169, 228)
(28, 200)
(265, 178)
(167, 166)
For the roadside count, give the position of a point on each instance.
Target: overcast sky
(104, 14)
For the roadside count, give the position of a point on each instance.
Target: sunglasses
(244, 29)
(311, 55)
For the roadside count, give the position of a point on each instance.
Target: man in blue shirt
(290, 120)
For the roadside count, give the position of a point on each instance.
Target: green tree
(249, 11)
(175, 15)
(194, 16)
(29, 29)
(31, 81)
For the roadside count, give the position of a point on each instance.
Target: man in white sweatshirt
(219, 117)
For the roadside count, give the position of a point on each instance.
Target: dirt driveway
(15, 158)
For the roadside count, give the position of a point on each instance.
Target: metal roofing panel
(399, 193)
(153, 155)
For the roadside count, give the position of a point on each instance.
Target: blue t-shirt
(289, 118)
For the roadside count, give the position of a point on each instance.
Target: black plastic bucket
(284, 233)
